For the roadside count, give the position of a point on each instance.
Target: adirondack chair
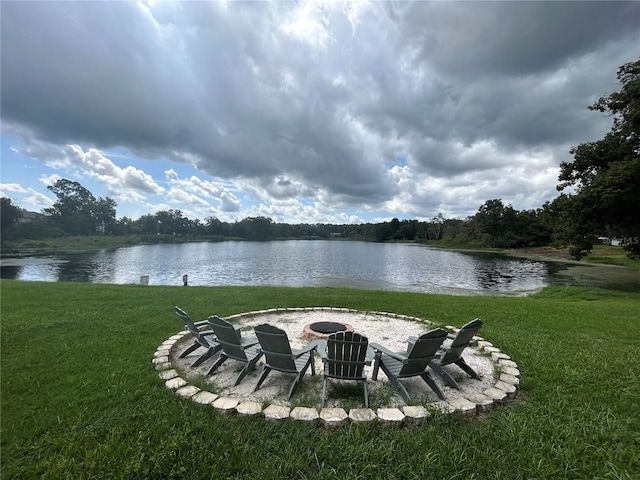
(205, 339)
(344, 355)
(412, 363)
(279, 356)
(234, 346)
(453, 353)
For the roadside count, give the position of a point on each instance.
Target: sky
(304, 111)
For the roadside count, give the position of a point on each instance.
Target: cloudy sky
(306, 111)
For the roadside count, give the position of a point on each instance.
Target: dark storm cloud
(328, 96)
(515, 38)
(92, 72)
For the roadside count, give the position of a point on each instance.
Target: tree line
(78, 212)
(605, 201)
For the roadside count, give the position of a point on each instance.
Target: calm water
(381, 266)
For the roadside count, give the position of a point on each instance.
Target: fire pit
(322, 330)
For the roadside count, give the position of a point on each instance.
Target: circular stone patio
(499, 375)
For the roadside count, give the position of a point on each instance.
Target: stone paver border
(504, 389)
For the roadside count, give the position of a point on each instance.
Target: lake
(307, 263)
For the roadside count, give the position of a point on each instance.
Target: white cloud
(191, 191)
(95, 164)
(180, 196)
(30, 198)
(11, 187)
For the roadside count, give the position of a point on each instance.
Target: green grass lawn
(81, 399)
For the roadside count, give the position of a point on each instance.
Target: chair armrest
(310, 347)
(321, 348)
(303, 351)
(397, 355)
(370, 355)
(451, 336)
(200, 323)
(248, 341)
(442, 351)
(238, 329)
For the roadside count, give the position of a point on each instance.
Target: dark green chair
(279, 356)
(452, 354)
(345, 355)
(412, 363)
(202, 339)
(234, 346)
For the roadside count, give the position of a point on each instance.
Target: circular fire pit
(322, 330)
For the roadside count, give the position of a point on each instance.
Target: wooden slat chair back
(452, 354)
(204, 339)
(422, 352)
(346, 355)
(276, 348)
(279, 356)
(413, 363)
(234, 346)
(461, 341)
(188, 322)
(228, 337)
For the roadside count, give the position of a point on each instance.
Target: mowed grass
(81, 399)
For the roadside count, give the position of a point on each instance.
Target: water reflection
(501, 273)
(365, 265)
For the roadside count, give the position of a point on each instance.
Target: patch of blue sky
(399, 161)
(23, 173)
(309, 201)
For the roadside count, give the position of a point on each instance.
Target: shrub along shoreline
(80, 398)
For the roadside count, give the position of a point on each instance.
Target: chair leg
(265, 371)
(300, 375)
(324, 389)
(429, 381)
(366, 393)
(294, 385)
(400, 388)
(444, 375)
(241, 375)
(251, 365)
(211, 351)
(376, 366)
(203, 357)
(189, 350)
(395, 383)
(221, 359)
(306, 367)
(468, 370)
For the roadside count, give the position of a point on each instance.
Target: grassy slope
(80, 398)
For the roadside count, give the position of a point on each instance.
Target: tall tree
(148, 224)
(606, 173)
(257, 228)
(172, 222)
(494, 223)
(77, 211)
(104, 214)
(9, 215)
